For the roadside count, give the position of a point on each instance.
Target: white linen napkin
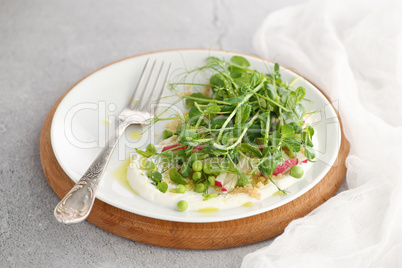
(352, 50)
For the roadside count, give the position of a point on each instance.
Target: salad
(243, 129)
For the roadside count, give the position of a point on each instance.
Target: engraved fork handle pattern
(77, 204)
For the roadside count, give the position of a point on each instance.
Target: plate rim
(279, 204)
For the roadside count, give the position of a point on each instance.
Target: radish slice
(180, 147)
(286, 166)
(218, 183)
(226, 181)
(198, 147)
(220, 180)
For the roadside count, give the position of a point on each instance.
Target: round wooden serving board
(193, 235)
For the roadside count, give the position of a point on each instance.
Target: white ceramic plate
(89, 112)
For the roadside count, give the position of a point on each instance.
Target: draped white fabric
(352, 50)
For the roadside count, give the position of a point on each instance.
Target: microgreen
(246, 115)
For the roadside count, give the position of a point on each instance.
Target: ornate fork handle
(77, 204)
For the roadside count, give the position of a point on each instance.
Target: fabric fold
(352, 50)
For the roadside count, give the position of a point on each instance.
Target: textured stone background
(45, 47)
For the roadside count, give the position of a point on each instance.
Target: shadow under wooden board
(194, 235)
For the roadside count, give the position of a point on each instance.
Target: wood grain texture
(193, 235)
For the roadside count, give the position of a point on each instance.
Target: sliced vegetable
(176, 147)
(239, 115)
(286, 166)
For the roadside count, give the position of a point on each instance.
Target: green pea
(167, 133)
(297, 172)
(200, 188)
(182, 205)
(185, 171)
(151, 148)
(211, 180)
(197, 176)
(181, 189)
(197, 165)
(207, 168)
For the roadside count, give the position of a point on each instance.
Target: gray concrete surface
(45, 47)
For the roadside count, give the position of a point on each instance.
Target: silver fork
(77, 204)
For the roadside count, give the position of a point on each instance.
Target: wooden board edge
(193, 235)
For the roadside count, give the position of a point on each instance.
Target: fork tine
(164, 83)
(147, 103)
(132, 101)
(136, 106)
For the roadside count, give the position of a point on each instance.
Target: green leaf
(194, 113)
(311, 131)
(209, 196)
(242, 180)
(300, 93)
(214, 61)
(243, 113)
(283, 93)
(227, 108)
(253, 131)
(297, 128)
(276, 68)
(292, 144)
(290, 117)
(149, 165)
(242, 81)
(309, 152)
(238, 129)
(307, 136)
(234, 155)
(299, 110)
(265, 123)
(162, 186)
(199, 96)
(156, 176)
(212, 109)
(241, 61)
(236, 72)
(269, 165)
(235, 100)
(226, 137)
(196, 156)
(176, 177)
(287, 131)
(291, 100)
(218, 81)
(271, 89)
(217, 122)
(255, 79)
(250, 150)
(144, 153)
(276, 139)
(188, 136)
